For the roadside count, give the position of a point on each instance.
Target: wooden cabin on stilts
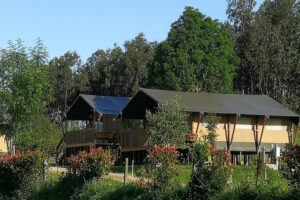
(98, 125)
(247, 122)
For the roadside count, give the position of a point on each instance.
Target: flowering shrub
(17, 168)
(159, 169)
(90, 164)
(292, 159)
(208, 178)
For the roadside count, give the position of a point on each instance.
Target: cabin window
(99, 126)
(274, 125)
(132, 124)
(244, 123)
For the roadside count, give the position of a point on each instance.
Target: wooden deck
(87, 137)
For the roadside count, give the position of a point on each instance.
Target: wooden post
(126, 171)
(262, 132)
(259, 168)
(228, 131)
(264, 153)
(256, 134)
(232, 135)
(132, 166)
(199, 120)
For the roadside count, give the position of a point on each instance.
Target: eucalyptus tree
(24, 86)
(196, 56)
(120, 71)
(62, 75)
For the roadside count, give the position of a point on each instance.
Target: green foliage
(24, 86)
(120, 72)
(267, 43)
(108, 189)
(246, 175)
(184, 173)
(212, 124)
(160, 169)
(168, 125)
(90, 164)
(55, 187)
(263, 192)
(292, 159)
(16, 169)
(42, 135)
(208, 179)
(196, 56)
(65, 82)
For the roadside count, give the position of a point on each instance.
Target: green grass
(59, 187)
(121, 169)
(184, 173)
(298, 139)
(242, 174)
(106, 189)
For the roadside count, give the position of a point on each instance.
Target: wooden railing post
(126, 171)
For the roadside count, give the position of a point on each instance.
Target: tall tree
(120, 72)
(267, 43)
(62, 76)
(24, 86)
(138, 55)
(196, 56)
(241, 15)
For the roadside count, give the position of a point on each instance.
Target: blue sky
(87, 25)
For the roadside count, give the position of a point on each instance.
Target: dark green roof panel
(223, 103)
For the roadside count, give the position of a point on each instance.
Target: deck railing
(80, 137)
(133, 138)
(86, 137)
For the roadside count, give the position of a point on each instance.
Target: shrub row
(15, 169)
(90, 164)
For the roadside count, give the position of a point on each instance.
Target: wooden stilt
(199, 120)
(296, 134)
(262, 132)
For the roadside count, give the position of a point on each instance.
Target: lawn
(240, 174)
(59, 187)
(184, 171)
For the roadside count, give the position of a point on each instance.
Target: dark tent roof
(84, 105)
(216, 103)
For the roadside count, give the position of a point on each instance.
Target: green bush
(208, 178)
(90, 164)
(159, 170)
(56, 187)
(17, 169)
(265, 191)
(292, 159)
(107, 189)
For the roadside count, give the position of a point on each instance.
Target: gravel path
(115, 176)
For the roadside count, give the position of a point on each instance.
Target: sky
(88, 25)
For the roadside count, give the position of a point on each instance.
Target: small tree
(88, 165)
(159, 170)
(212, 124)
(208, 178)
(292, 159)
(168, 125)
